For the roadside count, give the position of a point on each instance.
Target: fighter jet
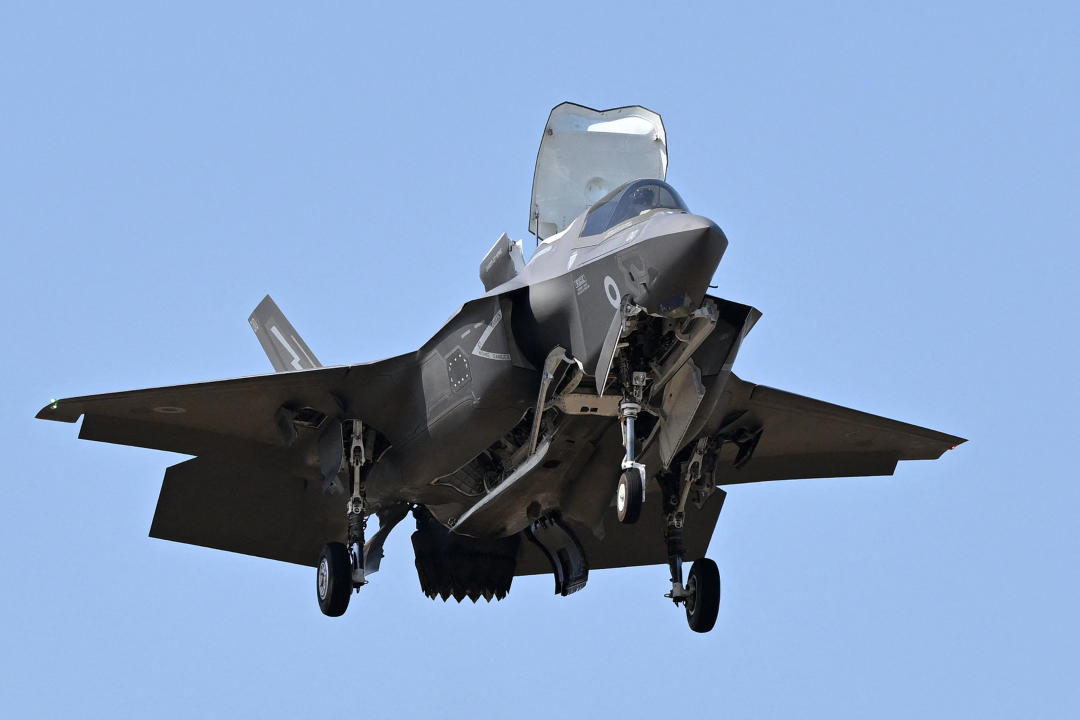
(581, 414)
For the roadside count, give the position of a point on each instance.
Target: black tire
(703, 603)
(333, 579)
(628, 496)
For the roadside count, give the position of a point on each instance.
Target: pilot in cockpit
(642, 199)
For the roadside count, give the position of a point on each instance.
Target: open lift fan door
(585, 154)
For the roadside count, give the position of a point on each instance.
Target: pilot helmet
(643, 197)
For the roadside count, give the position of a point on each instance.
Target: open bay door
(585, 154)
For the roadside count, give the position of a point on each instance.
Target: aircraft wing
(248, 491)
(805, 438)
(799, 438)
(216, 418)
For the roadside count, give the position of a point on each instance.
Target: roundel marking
(612, 291)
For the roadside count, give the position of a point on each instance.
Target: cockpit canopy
(584, 153)
(628, 201)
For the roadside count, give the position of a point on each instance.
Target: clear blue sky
(900, 186)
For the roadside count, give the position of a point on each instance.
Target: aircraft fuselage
(568, 295)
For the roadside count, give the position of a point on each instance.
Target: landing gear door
(585, 154)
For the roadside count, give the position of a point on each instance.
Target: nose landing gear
(628, 497)
(631, 490)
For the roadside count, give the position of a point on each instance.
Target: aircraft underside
(564, 489)
(580, 415)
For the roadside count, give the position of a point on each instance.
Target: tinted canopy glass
(629, 201)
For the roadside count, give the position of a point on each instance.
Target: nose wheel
(628, 497)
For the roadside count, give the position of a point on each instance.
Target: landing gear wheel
(628, 496)
(333, 582)
(703, 595)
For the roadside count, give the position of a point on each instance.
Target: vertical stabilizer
(283, 345)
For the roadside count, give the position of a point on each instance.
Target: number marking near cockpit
(612, 291)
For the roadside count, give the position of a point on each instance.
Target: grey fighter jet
(581, 414)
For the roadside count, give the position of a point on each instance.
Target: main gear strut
(353, 432)
(701, 593)
(342, 565)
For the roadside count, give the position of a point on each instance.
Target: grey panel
(436, 381)
(250, 503)
(681, 399)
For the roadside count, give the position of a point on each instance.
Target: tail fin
(279, 339)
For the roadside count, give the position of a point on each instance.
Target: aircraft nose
(685, 255)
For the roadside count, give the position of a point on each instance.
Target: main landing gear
(700, 596)
(341, 566)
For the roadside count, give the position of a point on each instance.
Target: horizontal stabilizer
(258, 503)
(283, 345)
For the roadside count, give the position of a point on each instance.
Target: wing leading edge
(214, 418)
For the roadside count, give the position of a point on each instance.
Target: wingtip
(54, 411)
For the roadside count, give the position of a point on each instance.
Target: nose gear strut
(631, 490)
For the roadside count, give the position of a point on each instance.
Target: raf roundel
(612, 291)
